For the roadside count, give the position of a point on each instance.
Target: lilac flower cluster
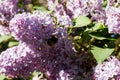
(74, 69)
(44, 47)
(110, 69)
(113, 20)
(59, 12)
(8, 8)
(112, 13)
(27, 27)
(62, 17)
(45, 40)
(87, 7)
(66, 11)
(70, 9)
(83, 7)
(18, 61)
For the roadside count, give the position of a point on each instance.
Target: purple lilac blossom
(74, 69)
(74, 8)
(55, 56)
(60, 13)
(62, 17)
(108, 69)
(27, 27)
(83, 7)
(99, 16)
(4, 30)
(56, 60)
(50, 43)
(8, 8)
(87, 7)
(18, 61)
(38, 31)
(113, 20)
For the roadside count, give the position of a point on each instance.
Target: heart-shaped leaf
(100, 54)
(81, 21)
(5, 38)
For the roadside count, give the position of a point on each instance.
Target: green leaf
(5, 38)
(2, 77)
(20, 4)
(40, 8)
(101, 34)
(98, 26)
(43, 9)
(12, 43)
(104, 3)
(36, 73)
(101, 37)
(95, 27)
(100, 54)
(81, 21)
(98, 37)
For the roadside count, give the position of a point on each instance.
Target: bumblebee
(52, 40)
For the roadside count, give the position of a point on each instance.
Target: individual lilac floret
(113, 19)
(108, 70)
(27, 27)
(19, 61)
